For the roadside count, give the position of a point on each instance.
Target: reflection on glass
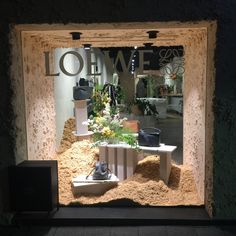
(146, 84)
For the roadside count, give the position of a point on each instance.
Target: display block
(121, 159)
(103, 154)
(33, 186)
(83, 185)
(112, 159)
(131, 161)
(165, 166)
(121, 164)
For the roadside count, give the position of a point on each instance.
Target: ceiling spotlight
(152, 34)
(148, 45)
(75, 35)
(87, 46)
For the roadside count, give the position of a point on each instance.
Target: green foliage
(99, 100)
(145, 107)
(130, 139)
(120, 95)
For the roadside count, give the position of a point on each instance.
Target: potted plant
(143, 107)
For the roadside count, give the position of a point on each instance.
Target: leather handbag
(149, 137)
(100, 172)
(82, 92)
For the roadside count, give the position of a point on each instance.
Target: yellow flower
(99, 119)
(107, 132)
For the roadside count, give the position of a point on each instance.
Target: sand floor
(144, 187)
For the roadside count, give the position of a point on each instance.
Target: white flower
(95, 125)
(85, 122)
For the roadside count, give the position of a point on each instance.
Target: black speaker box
(33, 186)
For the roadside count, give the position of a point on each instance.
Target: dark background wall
(90, 11)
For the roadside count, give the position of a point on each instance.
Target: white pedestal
(81, 116)
(81, 185)
(165, 152)
(122, 159)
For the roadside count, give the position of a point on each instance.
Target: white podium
(122, 158)
(81, 117)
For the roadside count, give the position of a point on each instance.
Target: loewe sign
(109, 62)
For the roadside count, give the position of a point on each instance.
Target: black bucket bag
(149, 137)
(82, 93)
(82, 90)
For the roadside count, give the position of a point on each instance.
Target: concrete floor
(120, 231)
(171, 131)
(172, 134)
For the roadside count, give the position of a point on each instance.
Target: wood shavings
(144, 187)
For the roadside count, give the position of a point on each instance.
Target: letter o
(81, 62)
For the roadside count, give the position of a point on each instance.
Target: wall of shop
(63, 87)
(194, 108)
(224, 164)
(39, 101)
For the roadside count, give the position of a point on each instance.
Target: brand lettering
(109, 62)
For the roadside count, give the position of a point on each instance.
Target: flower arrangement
(106, 123)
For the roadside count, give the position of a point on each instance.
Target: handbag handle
(90, 172)
(152, 129)
(81, 88)
(94, 170)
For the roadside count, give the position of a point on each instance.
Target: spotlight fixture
(87, 46)
(148, 45)
(75, 35)
(152, 34)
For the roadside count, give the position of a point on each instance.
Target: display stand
(81, 118)
(122, 158)
(83, 185)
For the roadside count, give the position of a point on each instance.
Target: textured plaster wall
(194, 107)
(209, 118)
(18, 97)
(39, 101)
(63, 87)
(224, 164)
